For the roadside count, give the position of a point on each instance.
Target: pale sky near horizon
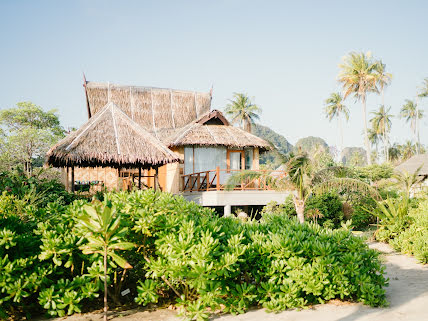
(285, 54)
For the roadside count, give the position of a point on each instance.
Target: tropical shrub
(329, 206)
(184, 254)
(414, 239)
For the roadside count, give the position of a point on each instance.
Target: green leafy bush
(329, 206)
(185, 255)
(210, 263)
(414, 239)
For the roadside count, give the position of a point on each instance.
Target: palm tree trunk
(341, 133)
(417, 126)
(299, 205)
(366, 133)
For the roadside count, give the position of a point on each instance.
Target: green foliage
(409, 233)
(185, 255)
(375, 172)
(30, 131)
(329, 205)
(393, 215)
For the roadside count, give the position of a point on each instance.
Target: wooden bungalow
(180, 122)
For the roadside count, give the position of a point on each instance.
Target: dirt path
(407, 294)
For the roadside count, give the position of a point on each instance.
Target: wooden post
(156, 179)
(72, 179)
(217, 170)
(67, 180)
(207, 176)
(139, 177)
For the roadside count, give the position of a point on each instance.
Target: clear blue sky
(285, 54)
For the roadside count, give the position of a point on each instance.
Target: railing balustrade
(216, 180)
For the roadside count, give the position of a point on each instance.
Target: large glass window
(200, 159)
(248, 158)
(188, 160)
(208, 158)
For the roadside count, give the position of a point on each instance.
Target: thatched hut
(411, 166)
(108, 142)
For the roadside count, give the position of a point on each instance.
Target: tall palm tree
(411, 114)
(358, 77)
(383, 78)
(335, 108)
(423, 93)
(381, 123)
(243, 111)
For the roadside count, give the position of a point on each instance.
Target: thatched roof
(153, 108)
(413, 163)
(212, 129)
(110, 138)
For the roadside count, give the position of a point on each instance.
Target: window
(249, 158)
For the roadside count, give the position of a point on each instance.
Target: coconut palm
(242, 111)
(394, 152)
(383, 78)
(301, 179)
(358, 77)
(374, 139)
(423, 93)
(407, 150)
(411, 114)
(381, 124)
(335, 108)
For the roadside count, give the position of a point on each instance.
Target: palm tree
(358, 77)
(374, 139)
(242, 111)
(381, 123)
(383, 78)
(411, 114)
(301, 179)
(394, 152)
(423, 93)
(407, 150)
(335, 108)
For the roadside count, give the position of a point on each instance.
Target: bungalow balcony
(210, 188)
(217, 180)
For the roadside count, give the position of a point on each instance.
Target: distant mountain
(279, 141)
(354, 156)
(307, 144)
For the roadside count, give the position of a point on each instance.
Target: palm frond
(347, 184)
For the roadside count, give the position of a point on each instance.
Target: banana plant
(101, 227)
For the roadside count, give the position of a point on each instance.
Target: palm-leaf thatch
(110, 139)
(211, 130)
(153, 108)
(414, 163)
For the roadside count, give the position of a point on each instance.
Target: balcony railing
(216, 180)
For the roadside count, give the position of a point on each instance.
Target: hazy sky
(285, 54)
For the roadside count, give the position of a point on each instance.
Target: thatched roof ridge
(110, 138)
(153, 108)
(207, 133)
(413, 163)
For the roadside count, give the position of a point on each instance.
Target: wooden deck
(216, 180)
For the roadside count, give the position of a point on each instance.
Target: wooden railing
(216, 180)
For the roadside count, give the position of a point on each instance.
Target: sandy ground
(407, 294)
